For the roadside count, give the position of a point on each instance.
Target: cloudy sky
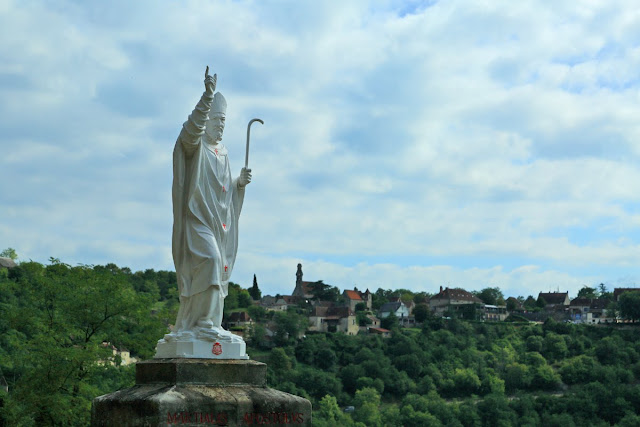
(406, 144)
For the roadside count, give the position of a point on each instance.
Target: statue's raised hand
(210, 81)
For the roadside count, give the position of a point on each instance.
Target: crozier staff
(206, 207)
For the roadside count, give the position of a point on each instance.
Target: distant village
(346, 314)
(353, 311)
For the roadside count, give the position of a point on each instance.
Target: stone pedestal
(197, 392)
(201, 349)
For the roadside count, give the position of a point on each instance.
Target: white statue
(206, 207)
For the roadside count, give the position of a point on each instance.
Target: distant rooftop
(554, 297)
(353, 295)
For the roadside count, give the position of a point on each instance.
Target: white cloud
(499, 132)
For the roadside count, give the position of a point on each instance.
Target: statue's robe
(206, 208)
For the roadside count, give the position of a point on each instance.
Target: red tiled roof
(379, 330)
(353, 295)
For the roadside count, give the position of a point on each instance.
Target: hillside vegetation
(55, 319)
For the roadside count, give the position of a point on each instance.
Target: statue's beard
(210, 140)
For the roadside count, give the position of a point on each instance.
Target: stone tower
(299, 275)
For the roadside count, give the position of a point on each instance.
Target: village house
(274, 304)
(123, 354)
(333, 319)
(354, 297)
(589, 310)
(409, 304)
(398, 308)
(555, 301)
(452, 300)
(374, 323)
(239, 319)
(495, 313)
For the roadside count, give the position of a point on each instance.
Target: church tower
(299, 289)
(299, 275)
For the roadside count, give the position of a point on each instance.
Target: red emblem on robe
(217, 349)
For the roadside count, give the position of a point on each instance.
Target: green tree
(464, 382)
(231, 300)
(257, 313)
(530, 303)
(541, 302)
(410, 363)
(421, 312)
(244, 299)
(257, 335)
(603, 292)
(577, 370)
(363, 319)
(491, 296)
(390, 322)
(629, 303)
(288, 326)
(364, 382)
(517, 377)
(329, 414)
(9, 253)
(255, 292)
(555, 347)
(406, 297)
(545, 378)
(494, 411)
(59, 320)
(587, 292)
(421, 298)
(326, 358)
(367, 403)
(279, 361)
(323, 292)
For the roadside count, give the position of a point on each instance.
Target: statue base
(200, 392)
(201, 349)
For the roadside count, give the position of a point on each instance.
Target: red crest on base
(217, 349)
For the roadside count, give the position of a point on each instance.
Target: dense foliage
(56, 318)
(452, 372)
(55, 325)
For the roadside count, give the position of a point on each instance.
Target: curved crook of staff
(246, 157)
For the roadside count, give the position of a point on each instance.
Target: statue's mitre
(219, 105)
